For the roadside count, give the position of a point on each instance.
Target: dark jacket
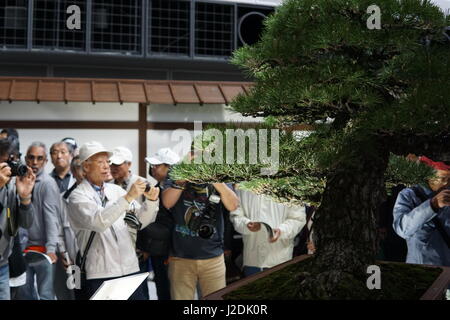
(156, 237)
(23, 216)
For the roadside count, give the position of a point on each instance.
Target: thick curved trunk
(345, 223)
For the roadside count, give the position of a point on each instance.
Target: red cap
(434, 164)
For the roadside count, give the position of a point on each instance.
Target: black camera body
(203, 222)
(17, 168)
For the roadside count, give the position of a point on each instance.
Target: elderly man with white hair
(97, 210)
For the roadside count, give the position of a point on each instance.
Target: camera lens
(206, 231)
(22, 170)
(17, 168)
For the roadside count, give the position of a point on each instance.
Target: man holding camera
(15, 202)
(43, 234)
(197, 240)
(422, 217)
(97, 211)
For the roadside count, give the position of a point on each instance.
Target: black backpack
(156, 238)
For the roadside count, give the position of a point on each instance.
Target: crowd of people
(92, 212)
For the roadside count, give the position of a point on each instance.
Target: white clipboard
(119, 289)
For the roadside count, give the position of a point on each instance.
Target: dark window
(50, 25)
(250, 23)
(116, 26)
(169, 28)
(214, 29)
(13, 23)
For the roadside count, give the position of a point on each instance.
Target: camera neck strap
(210, 190)
(86, 250)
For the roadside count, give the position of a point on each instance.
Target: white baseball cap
(164, 155)
(120, 155)
(88, 149)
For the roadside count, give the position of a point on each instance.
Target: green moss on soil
(398, 282)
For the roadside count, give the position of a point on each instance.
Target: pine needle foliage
(316, 61)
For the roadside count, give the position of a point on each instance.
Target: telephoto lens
(203, 221)
(206, 228)
(17, 168)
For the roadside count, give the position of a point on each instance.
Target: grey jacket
(413, 222)
(9, 199)
(46, 202)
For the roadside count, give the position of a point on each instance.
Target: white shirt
(258, 251)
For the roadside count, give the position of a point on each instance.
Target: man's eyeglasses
(38, 158)
(441, 179)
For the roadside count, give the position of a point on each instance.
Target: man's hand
(5, 174)
(276, 235)
(254, 226)
(152, 194)
(311, 247)
(145, 255)
(66, 263)
(440, 200)
(52, 256)
(136, 190)
(24, 186)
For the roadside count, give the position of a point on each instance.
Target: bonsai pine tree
(371, 96)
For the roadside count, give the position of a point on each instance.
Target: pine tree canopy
(317, 60)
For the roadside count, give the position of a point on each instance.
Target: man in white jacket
(96, 206)
(261, 250)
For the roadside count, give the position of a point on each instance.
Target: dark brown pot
(433, 293)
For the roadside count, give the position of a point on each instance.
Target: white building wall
(179, 140)
(108, 137)
(195, 112)
(72, 111)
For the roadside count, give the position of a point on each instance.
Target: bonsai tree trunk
(345, 224)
